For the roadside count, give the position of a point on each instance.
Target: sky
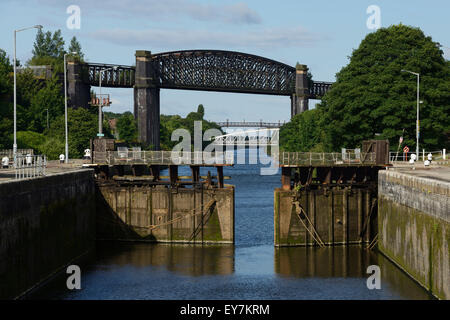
(320, 34)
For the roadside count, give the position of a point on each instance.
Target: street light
(65, 106)
(418, 102)
(15, 85)
(100, 122)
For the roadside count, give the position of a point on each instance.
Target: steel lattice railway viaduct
(205, 70)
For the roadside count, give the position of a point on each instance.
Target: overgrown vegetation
(127, 127)
(372, 98)
(36, 96)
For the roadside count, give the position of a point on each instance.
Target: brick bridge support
(146, 100)
(78, 92)
(299, 99)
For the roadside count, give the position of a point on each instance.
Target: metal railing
(325, 159)
(130, 157)
(29, 166)
(402, 156)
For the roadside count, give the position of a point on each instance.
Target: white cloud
(176, 39)
(238, 13)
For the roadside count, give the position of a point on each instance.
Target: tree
(372, 96)
(6, 68)
(49, 97)
(6, 87)
(48, 45)
(171, 123)
(48, 49)
(75, 46)
(201, 110)
(82, 125)
(127, 128)
(302, 133)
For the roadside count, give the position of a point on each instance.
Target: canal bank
(45, 224)
(414, 224)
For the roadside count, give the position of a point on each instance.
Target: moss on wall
(417, 242)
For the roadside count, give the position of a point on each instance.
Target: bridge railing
(163, 158)
(252, 124)
(114, 76)
(325, 159)
(319, 88)
(423, 155)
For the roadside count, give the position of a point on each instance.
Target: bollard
(443, 154)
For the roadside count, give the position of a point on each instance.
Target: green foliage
(48, 49)
(302, 133)
(49, 97)
(30, 140)
(201, 110)
(82, 126)
(6, 69)
(6, 129)
(53, 147)
(35, 96)
(127, 128)
(48, 44)
(372, 96)
(169, 123)
(75, 46)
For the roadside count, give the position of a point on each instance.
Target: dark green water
(252, 269)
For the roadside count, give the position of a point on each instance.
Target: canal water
(251, 269)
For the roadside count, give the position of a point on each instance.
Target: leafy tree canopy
(82, 126)
(303, 133)
(372, 96)
(75, 46)
(127, 128)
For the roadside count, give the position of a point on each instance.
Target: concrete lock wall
(44, 224)
(414, 216)
(128, 212)
(338, 215)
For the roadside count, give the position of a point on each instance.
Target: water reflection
(340, 261)
(190, 260)
(344, 262)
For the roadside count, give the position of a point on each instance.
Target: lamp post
(65, 107)
(418, 102)
(15, 90)
(100, 121)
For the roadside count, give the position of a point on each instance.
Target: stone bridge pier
(78, 92)
(299, 99)
(146, 100)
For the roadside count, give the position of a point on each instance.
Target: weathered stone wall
(126, 212)
(414, 216)
(45, 223)
(339, 215)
